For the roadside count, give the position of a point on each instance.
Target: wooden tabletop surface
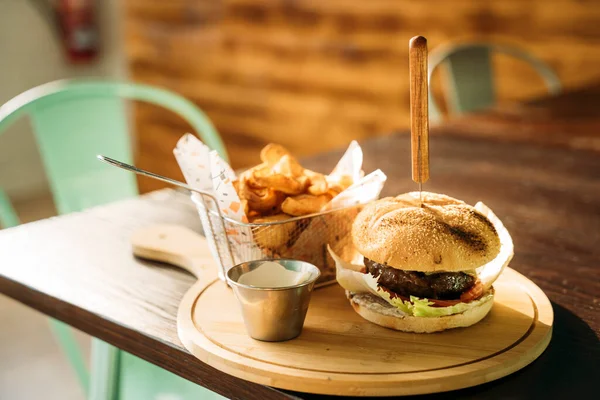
(571, 120)
(79, 268)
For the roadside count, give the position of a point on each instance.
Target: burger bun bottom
(378, 311)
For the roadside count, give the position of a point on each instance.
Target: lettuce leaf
(423, 307)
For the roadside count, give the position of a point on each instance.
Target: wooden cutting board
(340, 353)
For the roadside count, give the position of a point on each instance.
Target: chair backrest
(73, 120)
(470, 73)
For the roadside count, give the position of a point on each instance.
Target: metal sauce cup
(273, 314)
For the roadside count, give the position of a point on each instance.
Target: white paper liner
(350, 164)
(489, 272)
(363, 191)
(192, 156)
(222, 180)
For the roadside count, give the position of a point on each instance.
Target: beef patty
(442, 285)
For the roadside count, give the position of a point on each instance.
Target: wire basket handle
(219, 238)
(213, 235)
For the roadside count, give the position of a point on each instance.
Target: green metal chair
(8, 215)
(470, 73)
(73, 120)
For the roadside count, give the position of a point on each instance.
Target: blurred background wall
(313, 74)
(310, 74)
(30, 55)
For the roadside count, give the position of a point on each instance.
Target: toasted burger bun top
(445, 234)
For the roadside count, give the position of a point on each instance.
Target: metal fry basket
(301, 238)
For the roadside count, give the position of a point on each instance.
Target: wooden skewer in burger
(429, 260)
(419, 110)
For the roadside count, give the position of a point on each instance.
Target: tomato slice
(475, 292)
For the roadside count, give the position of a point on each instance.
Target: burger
(428, 262)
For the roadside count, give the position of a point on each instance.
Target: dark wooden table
(571, 120)
(79, 268)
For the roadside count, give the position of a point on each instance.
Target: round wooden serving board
(340, 353)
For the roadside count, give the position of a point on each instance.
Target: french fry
(248, 175)
(273, 237)
(289, 166)
(252, 215)
(318, 183)
(333, 191)
(304, 204)
(279, 182)
(345, 181)
(263, 200)
(304, 180)
(272, 153)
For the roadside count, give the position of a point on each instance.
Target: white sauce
(271, 275)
